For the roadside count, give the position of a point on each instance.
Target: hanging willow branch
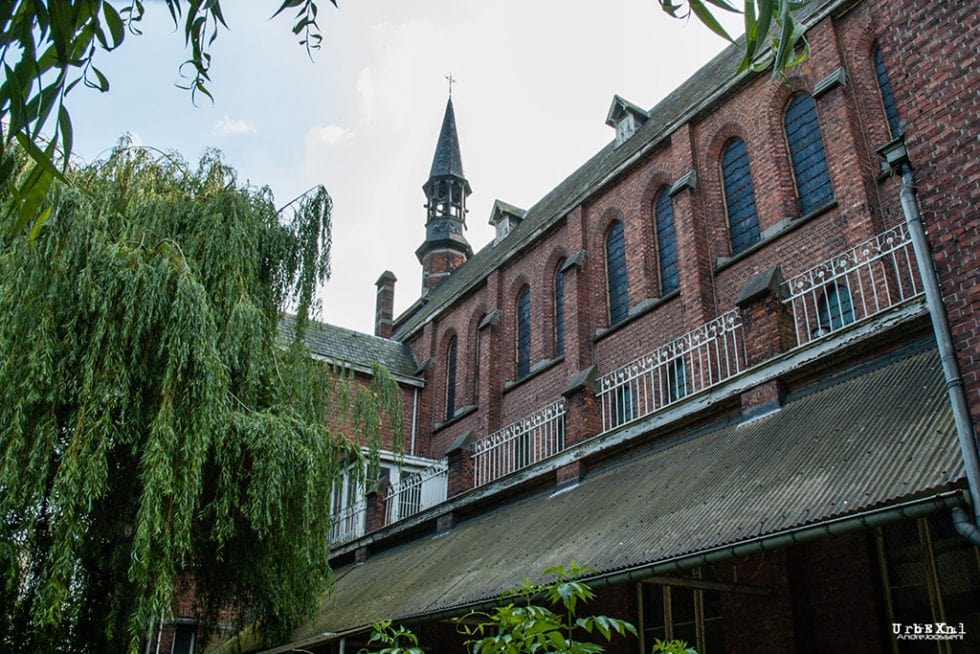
(155, 430)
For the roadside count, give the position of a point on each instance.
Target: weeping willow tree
(156, 432)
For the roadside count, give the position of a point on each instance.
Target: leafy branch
(48, 47)
(774, 38)
(524, 626)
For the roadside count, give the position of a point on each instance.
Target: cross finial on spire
(451, 80)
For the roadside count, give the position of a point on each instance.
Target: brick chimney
(384, 306)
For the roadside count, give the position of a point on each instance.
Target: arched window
(559, 309)
(807, 153)
(743, 222)
(524, 332)
(478, 346)
(616, 283)
(885, 87)
(835, 308)
(666, 244)
(451, 379)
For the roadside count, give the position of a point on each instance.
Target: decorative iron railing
(416, 491)
(520, 444)
(349, 523)
(693, 362)
(857, 284)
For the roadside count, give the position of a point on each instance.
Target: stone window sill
(777, 231)
(461, 413)
(641, 308)
(536, 370)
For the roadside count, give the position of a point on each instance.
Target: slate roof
(679, 106)
(358, 349)
(864, 441)
(447, 160)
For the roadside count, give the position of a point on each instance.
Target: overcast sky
(534, 82)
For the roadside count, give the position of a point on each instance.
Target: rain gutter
(910, 509)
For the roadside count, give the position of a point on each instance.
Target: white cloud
(327, 135)
(237, 126)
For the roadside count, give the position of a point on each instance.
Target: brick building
(706, 365)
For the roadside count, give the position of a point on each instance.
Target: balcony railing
(857, 284)
(520, 444)
(416, 492)
(349, 523)
(691, 363)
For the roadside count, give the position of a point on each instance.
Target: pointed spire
(447, 160)
(445, 248)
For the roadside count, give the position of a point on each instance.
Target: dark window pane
(836, 308)
(743, 222)
(559, 310)
(959, 578)
(616, 273)
(183, 640)
(676, 380)
(524, 332)
(623, 404)
(907, 580)
(887, 97)
(666, 244)
(451, 380)
(807, 154)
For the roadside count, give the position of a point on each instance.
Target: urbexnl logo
(928, 631)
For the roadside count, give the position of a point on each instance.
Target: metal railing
(857, 284)
(518, 445)
(349, 523)
(691, 363)
(416, 491)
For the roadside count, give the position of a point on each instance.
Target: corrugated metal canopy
(865, 441)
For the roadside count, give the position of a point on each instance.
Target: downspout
(897, 158)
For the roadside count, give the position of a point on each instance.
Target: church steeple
(444, 248)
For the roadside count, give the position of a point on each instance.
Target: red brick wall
(931, 54)
(934, 91)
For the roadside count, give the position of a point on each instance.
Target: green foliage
(154, 429)
(394, 640)
(526, 627)
(672, 647)
(773, 37)
(48, 47)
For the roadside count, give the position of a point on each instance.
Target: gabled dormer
(504, 218)
(625, 117)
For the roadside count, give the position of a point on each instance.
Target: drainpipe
(896, 158)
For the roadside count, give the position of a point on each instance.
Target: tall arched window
(451, 379)
(885, 87)
(807, 153)
(524, 332)
(666, 243)
(478, 346)
(743, 222)
(559, 309)
(616, 282)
